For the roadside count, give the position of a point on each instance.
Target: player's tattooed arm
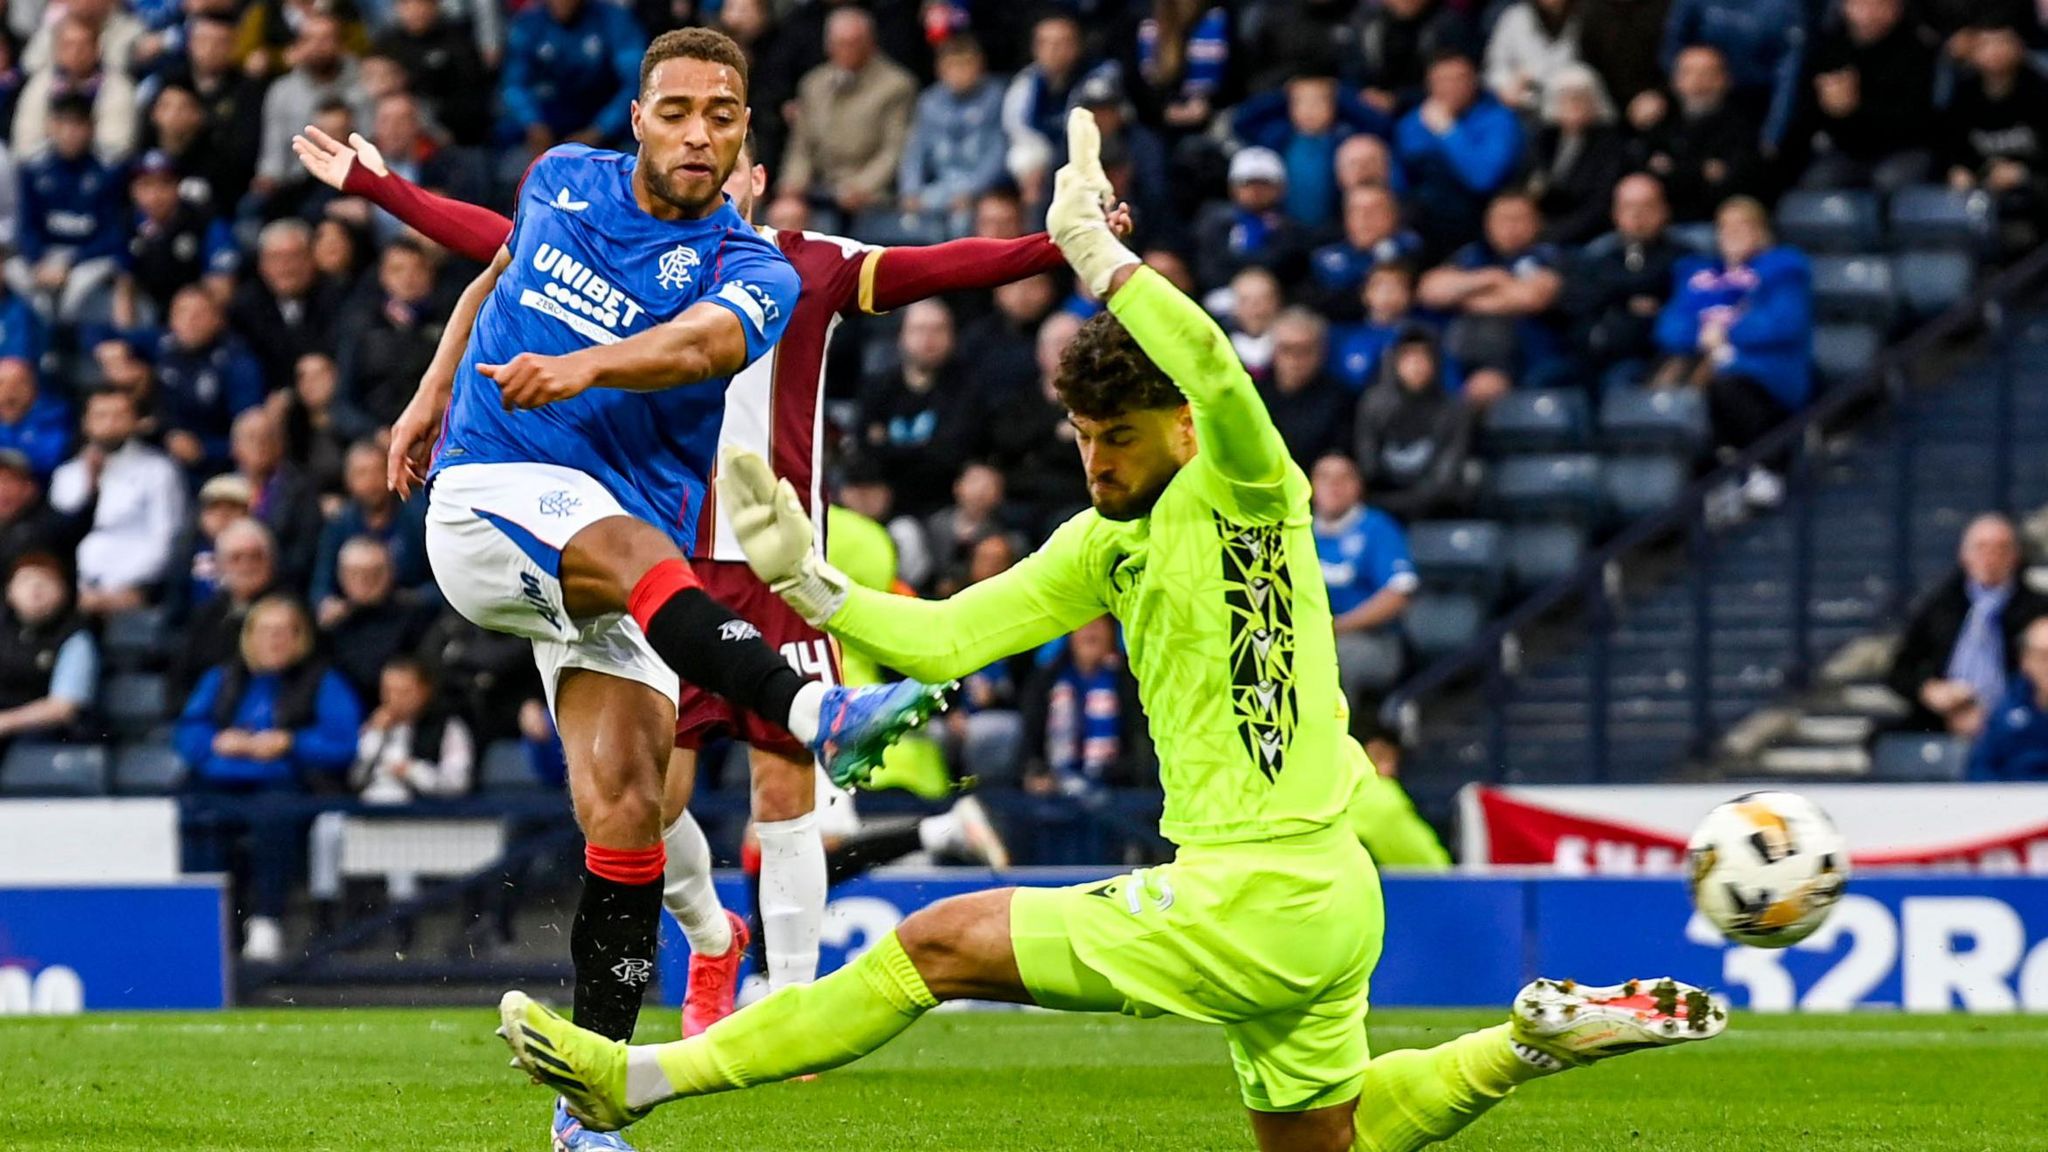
(706, 342)
(413, 432)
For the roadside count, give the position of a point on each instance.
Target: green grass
(429, 1080)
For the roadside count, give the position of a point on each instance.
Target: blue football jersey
(590, 267)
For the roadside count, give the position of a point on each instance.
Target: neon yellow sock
(1416, 1097)
(797, 1030)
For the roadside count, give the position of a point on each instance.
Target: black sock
(757, 936)
(878, 842)
(710, 647)
(612, 943)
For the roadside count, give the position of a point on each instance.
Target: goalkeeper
(1268, 921)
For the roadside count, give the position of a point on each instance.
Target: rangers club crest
(675, 266)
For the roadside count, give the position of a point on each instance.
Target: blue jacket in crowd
(2014, 745)
(79, 204)
(1311, 160)
(405, 535)
(21, 331)
(202, 391)
(955, 147)
(1362, 553)
(1451, 177)
(573, 76)
(1342, 269)
(43, 434)
(1772, 334)
(1764, 42)
(326, 744)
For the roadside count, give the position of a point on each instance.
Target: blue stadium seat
(1542, 420)
(1634, 419)
(507, 769)
(1911, 756)
(1462, 555)
(1441, 623)
(1932, 282)
(1843, 353)
(1933, 216)
(148, 770)
(1855, 288)
(1846, 221)
(1566, 485)
(135, 639)
(1541, 553)
(1639, 486)
(54, 770)
(135, 702)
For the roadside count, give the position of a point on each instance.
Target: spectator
(773, 69)
(196, 576)
(1619, 284)
(135, 499)
(1304, 124)
(1619, 40)
(1995, 135)
(174, 244)
(230, 127)
(1369, 575)
(1872, 122)
(1277, 39)
(2014, 745)
(199, 169)
(1956, 656)
(1372, 236)
(73, 224)
(922, 421)
(1702, 147)
(1578, 157)
(35, 425)
(1313, 412)
(21, 330)
(394, 335)
(572, 69)
(1413, 435)
(1005, 341)
(49, 665)
(372, 620)
(1250, 229)
(853, 114)
(1456, 149)
(1740, 326)
(1501, 291)
(442, 66)
(247, 573)
(1357, 350)
(1084, 729)
(287, 310)
(976, 512)
(1174, 62)
(283, 500)
(412, 746)
(1366, 162)
(1031, 441)
(321, 72)
(318, 424)
(1133, 157)
(955, 149)
(1399, 40)
(269, 719)
(1762, 42)
(206, 378)
(999, 214)
(1035, 103)
(488, 678)
(370, 510)
(27, 522)
(1254, 305)
(1533, 42)
(113, 33)
(75, 72)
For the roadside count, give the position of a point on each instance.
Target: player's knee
(961, 946)
(603, 563)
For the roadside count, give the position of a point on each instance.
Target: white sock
(804, 710)
(686, 889)
(937, 833)
(792, 897)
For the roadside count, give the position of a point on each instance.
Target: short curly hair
(1103, 373)
(694, 44)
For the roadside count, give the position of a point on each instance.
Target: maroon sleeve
(472, 232)
(893, 277)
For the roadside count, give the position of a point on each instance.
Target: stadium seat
(54, 770)
(136, 639)
(1844, 353)
(1932, 282)
(1461, 555)
(1541, 553)
(1855, 288)
(1639, 486)
(1911, 756)
(1933, 216)
(148, 770)
(1565, 485)
(135, 702)
(1441, 623)
(1634, 419)
(1845, 221)
(507, 769)
(1537, 421)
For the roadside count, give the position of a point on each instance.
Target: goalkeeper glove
(1075, 217)
(776, 535)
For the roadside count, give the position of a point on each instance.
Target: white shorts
(495, 534)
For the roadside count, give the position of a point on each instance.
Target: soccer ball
(1765, 868)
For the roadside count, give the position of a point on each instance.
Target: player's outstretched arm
(894, 277)
(1042, 597)
(414, 430)
(358, 169)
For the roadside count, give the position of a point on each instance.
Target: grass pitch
(301, 1080)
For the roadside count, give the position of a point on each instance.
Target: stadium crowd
(1403, 210)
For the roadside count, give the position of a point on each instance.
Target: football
(1765, 868)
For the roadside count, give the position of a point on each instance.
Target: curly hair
(694, 44)
(1103, 373)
